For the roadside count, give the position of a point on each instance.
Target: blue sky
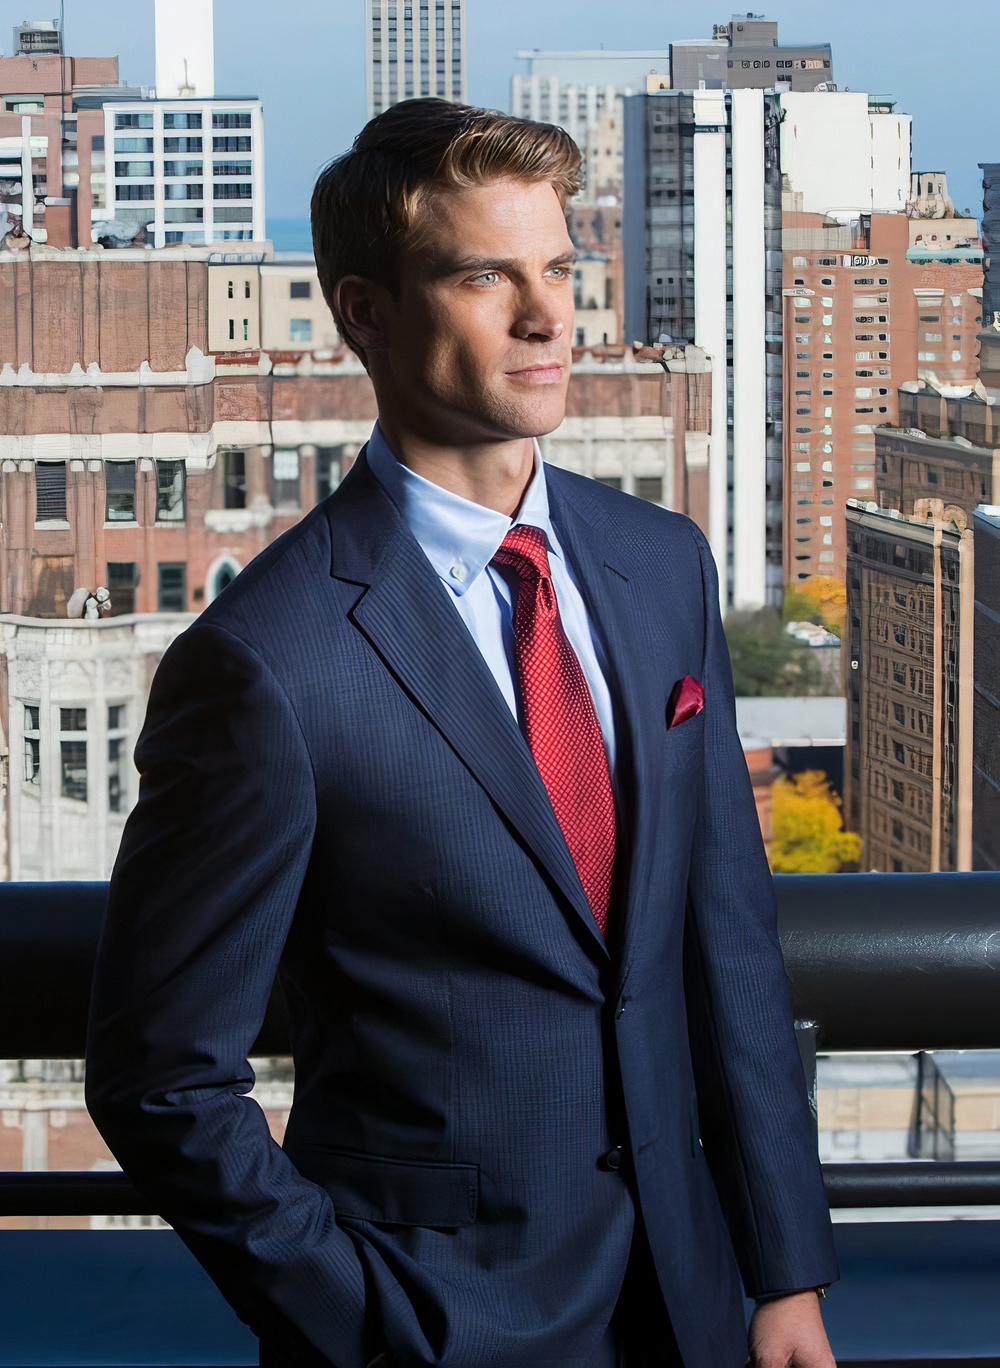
(305, 59)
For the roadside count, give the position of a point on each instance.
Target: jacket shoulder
(273, 583)
(646, 531)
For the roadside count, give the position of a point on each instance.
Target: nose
(539, 318)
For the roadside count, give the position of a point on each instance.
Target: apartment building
(186, 170)
(908, 781)
(696, 163)
(414, 48)
(986, 724)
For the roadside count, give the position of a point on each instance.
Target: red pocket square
(687, 699)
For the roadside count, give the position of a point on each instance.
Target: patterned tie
(563, 731)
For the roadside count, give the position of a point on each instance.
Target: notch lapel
(612, 592)
(404, 613)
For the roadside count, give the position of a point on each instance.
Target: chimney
(185, 49)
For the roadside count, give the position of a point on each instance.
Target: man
(456, 758)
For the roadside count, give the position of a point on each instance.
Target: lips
(545, 373)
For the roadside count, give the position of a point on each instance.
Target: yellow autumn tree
(821, 596)
(809, 835)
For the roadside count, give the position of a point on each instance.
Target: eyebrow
(466, 265)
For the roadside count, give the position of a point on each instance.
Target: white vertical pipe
(710, 330)
(749, 363)
(27, 185)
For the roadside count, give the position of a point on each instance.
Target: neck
(494, 474)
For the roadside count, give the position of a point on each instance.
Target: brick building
(861, 320)
(149, 445)
(908, 778)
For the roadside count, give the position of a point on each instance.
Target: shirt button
(613, 1159)
(458, 572)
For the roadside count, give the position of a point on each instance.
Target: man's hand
(788, 1333)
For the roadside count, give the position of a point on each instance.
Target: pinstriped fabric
(563, 731)
(332, 781)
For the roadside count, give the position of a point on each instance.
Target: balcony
(876, 963)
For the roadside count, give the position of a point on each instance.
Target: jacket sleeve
(757, 1130)
(202, 898)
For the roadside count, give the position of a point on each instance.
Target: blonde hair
(366, 203)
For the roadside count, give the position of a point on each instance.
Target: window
(119, 480)
(300, 289)
(650, 487)
(182, 168)
(170, 491)
(235, 479)
(286, 478)
(898, 752)
(898, 788)
(612, 481)
(133, 121)
(230, 144)
(231, 120)
(300, 330)
(133, 192)
(185, 215)
(233, 190)
(133, 145)
(182, 120)
(117, 780)
(182, 144)
(246, 289)
(231, 168)
(123, 577)
(32, 744)
(73, 753)
(192, 190)
(133, 168)
(899, 713)
(50, 491)
(171, 589)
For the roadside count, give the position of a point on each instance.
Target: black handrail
(876, 962)
(907, 1183)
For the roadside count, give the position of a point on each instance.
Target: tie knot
(523, 550)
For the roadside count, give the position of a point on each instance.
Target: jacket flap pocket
(397, 1191)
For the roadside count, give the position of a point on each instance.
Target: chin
(534, 416)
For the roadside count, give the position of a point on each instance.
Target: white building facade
(414, 48)
(189, 170)
(76, 697)
(845, 153)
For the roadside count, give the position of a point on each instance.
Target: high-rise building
(986, 738)
(577, 90)
(908, 781)
(414, 48)
(744, 54)
(696, 164)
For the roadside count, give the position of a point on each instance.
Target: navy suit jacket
(334, 790)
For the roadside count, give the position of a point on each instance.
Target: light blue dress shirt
(460, 538)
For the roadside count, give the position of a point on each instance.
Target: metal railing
(875, 962)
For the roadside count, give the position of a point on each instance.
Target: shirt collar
(458, 537)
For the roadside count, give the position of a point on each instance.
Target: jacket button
(613, 1159)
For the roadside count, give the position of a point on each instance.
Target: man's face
(478, 338)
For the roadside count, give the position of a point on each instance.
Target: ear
(361, 304)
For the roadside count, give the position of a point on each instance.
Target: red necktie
(563, 731)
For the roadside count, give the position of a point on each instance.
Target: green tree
(767, 661)
(808, 828)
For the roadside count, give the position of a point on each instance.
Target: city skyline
(930, 80)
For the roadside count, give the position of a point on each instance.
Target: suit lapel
(404, 613)
(613, 594)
